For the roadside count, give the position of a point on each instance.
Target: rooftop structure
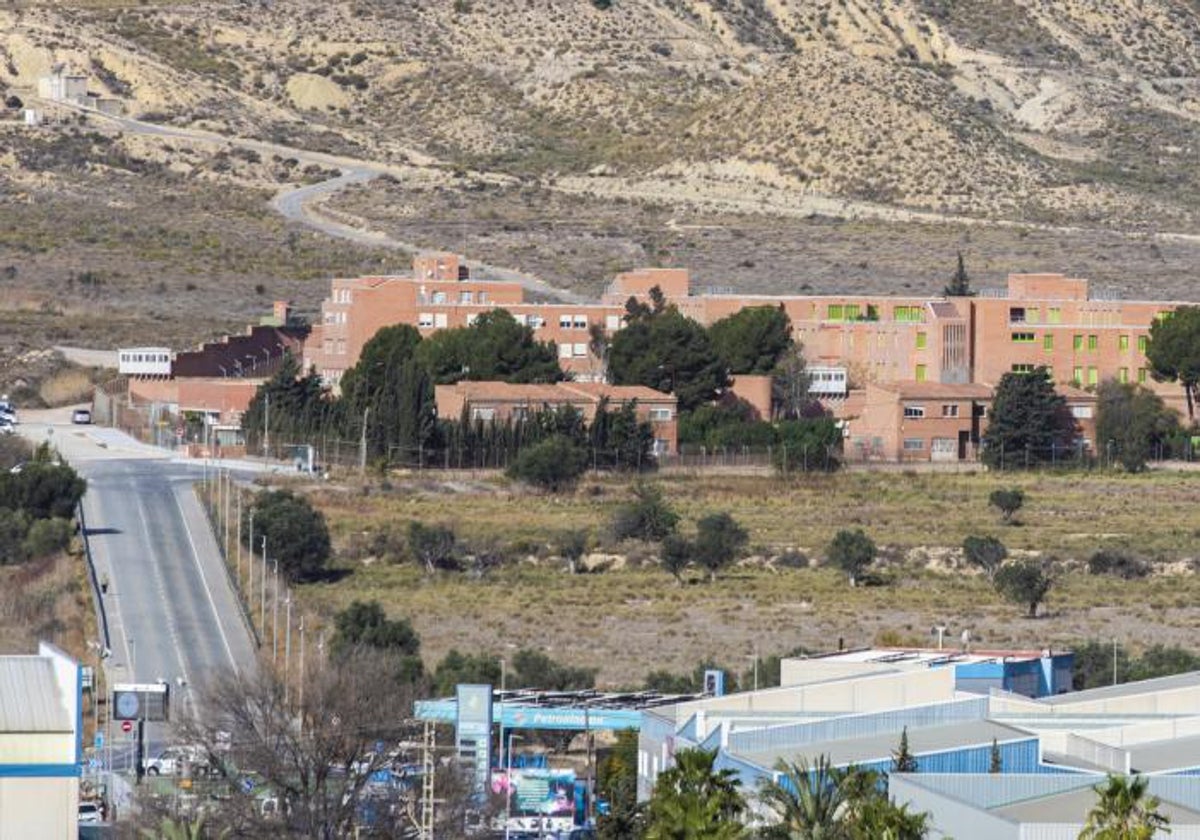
(41, 702)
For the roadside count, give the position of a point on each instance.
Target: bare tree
(315, 756)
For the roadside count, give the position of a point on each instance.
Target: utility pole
(239, 540)
(266, 425)
(300, 687)
(275, 614)
(262, 604)
(362, 444)
(287, 648)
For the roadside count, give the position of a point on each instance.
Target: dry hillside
(1056, 115)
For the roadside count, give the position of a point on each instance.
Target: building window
(1123, 343)
(1123, 375)
(1023, 338)
(1033, 315)
(1093, 375)
(564, 351)
(920, 373)
(440, 320)
(907, 314)
(1054, 315)
(850, 313)
(922, 340)
(612, 322)
(1022, 368)
(1093, 342)
(483, 297)
(536, 322)
(914, 412)
(486, 414)
(564, 322)
(1016, 314)
(1077, 375)
(1048, 341)
(1077, 342)
(833, 312)
(950, 410)
(1143, 343)
(914, 444)
(580, 349)
(466, 297)
(1081, 412)
(439, 297)
(341, 346)
(580, 322)
(660, 415)
(425, 319)
(1142, 375)
(471, 316)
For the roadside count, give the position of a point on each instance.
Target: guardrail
(97, 593)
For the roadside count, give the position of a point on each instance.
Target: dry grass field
(633, 618)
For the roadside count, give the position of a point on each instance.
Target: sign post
(473, 733)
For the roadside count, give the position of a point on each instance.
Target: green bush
(1117, 563)
(48, 536)
(555, 464)
(852, 552)
(13, 527)
(297, 536)
(648, 517)
(811, 445)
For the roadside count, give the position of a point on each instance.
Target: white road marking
(169, 614)
(204, 579)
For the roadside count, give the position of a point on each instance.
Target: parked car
(91, 813)
(172, 760)
(81, 416)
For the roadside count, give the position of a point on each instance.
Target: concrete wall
(43, 808)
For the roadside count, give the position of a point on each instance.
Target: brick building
(498, 401)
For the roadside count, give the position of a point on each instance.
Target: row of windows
(439, 320)
(1089, 375)
(145, 357)
(566, 351)
(870, 312)
(1077, 341)
(463, 297)
(916, 412)
(523, 412)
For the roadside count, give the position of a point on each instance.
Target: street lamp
(508, 790)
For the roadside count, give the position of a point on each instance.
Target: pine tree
(903, 760)
(960, 283)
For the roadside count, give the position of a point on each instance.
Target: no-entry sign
(126, 726)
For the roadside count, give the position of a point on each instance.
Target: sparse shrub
(792, 559)
(1023, 582)
(851, 551)
(985, 552)
(555, 464)
(1008, 502)
(434, 546)
(719, 541)
(1118, 564)
(676, 556)
(648, 517)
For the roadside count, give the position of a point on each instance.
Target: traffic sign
(126, 726)
(99, 740)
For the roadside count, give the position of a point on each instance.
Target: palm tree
(694, 800)
(808, 803)
(1123, 811)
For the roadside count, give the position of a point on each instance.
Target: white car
(91, 813)
(81, 416)
(172, 760)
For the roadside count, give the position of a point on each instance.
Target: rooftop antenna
(940, 631)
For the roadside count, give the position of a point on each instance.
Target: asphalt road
(172, 612)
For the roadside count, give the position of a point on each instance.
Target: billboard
(141, 701)
(538, 798)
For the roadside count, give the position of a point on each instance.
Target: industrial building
(41, 747)
(962, 713)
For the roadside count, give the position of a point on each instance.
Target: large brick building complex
(871, 356)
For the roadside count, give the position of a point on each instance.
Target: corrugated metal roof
(875, 747)
(1190, 679)
(1073, 806)
(30, 700)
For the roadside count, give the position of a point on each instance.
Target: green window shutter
(1048, 341)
